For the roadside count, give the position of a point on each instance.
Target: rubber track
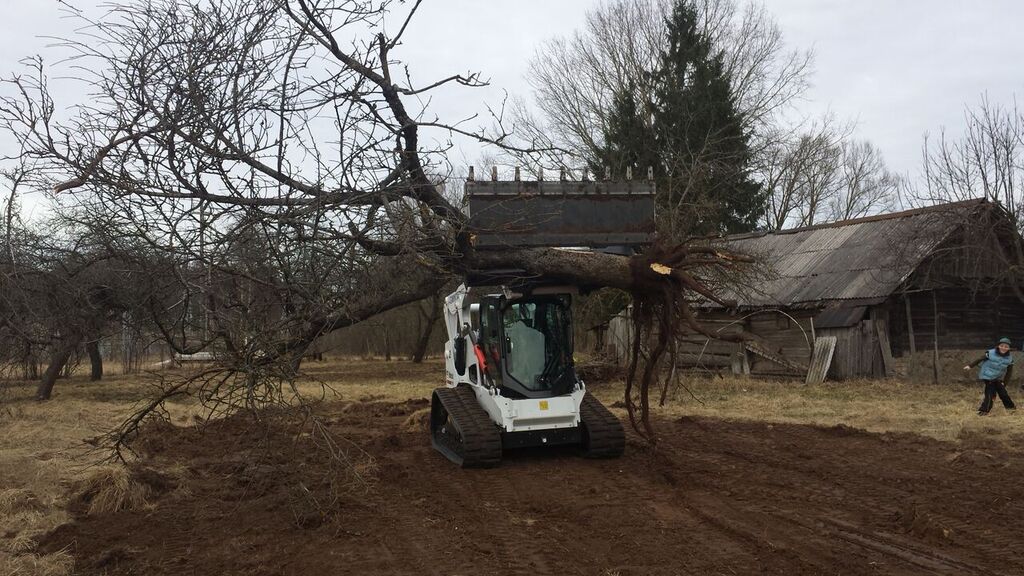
(481, 439)
(603, 436)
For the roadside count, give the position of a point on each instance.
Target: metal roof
(851, 262)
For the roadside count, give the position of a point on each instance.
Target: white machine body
(512, 415)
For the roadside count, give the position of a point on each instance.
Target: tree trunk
(69, 365)
(31, 369)
(387, 344)
(428, 329)
(95, 359)
(406, 282)
(30, 365)
(57, 362)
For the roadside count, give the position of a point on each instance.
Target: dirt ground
(722, 495)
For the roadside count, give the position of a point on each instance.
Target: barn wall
(696, 350)
(965, 322)
(858, 353)
(966, 319)
(788, 337)
(618, 337)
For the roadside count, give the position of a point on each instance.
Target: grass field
(46, 455)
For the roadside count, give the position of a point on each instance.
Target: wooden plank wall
(966, 321)
(697, 350)
(789, 337)
(858, 354)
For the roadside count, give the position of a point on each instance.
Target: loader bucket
(561, 213)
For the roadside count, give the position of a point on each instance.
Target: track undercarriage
(463, 432)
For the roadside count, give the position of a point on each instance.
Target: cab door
(489, 340)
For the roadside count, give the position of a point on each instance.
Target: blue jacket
(994, 365)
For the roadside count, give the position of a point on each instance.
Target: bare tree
(825, 175)
(985, 161)
(801, 174)
(867, 186)
(59, 292)
(428, 313)
(575, 78)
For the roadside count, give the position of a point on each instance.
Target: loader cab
(527, 342)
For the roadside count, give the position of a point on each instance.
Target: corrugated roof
(859, 260)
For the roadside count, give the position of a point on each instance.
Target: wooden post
(912, 370)
(910, 325)
(740, 363)
(882, 331)
(935, 340)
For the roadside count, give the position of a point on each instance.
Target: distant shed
(883, 285)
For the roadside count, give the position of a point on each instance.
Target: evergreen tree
(629, 138)
(695, 138)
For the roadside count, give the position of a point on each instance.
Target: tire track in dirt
(855, 497)
(716, 497)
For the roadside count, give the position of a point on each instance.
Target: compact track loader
(511, 380)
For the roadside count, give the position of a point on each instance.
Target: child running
(996, 370)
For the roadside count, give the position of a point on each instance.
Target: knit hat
(1005, 341)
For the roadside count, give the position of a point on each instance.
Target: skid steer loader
(510, 377)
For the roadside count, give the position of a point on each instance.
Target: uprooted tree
(280, 156)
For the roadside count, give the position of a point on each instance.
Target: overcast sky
(900, 68)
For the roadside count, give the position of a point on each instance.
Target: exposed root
(663, 278)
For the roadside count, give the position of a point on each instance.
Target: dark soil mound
(264, 497)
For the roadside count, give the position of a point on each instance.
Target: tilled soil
(718, 497)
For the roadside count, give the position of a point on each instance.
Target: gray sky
(907, 67)
(898, 68)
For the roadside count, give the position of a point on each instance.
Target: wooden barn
(921, 280)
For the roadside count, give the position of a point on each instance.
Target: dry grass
(112, 490)
(418, 421)
(45, 460)
(353, 379)
(58, 564)
(44, 454)
(946, 412)
(46, 457)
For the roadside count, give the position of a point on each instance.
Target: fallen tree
(292, 127)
